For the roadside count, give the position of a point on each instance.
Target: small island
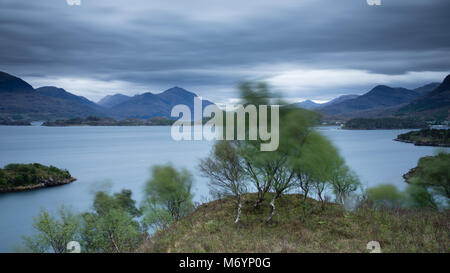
(383, 124)
(24, 177)
(427, 137)
(106, 121)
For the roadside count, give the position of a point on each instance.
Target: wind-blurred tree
(418, 196)
(385, 195)
(113, 225)
(167, 196)
(432, 174)
(343, 180)
(53, 233)
(259, 166)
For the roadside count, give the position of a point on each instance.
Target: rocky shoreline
(44, 183)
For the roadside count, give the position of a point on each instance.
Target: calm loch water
(120, 157)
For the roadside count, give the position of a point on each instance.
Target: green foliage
(224, 168)
(226, 173)
(113, 231)
(419, 197)
(343, 181)
(167, 196)
(13, 175)
(433, 174)
(428, 187)
(112, 226)
(3, 178)
(104, 202)
(304, 157)
(385, 196)
(53, 232)
(274, 171)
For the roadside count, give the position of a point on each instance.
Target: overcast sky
(306, 49)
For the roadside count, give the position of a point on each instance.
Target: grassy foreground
(302, 227)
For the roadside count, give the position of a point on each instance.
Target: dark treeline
(105, 121)
(15, 122)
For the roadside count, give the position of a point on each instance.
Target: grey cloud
(212, 45)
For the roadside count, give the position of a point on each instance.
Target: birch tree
(224, 169)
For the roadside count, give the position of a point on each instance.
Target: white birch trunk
(272, 207)
(238, 217)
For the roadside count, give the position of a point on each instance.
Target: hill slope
(379, 98)
(302, 227)
(435, 104)
(18, 98)
(9, 83)
(59, 93)
(339, 100)
(427, 88)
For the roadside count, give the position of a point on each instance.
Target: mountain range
(310, 105)
(431, 101)
(149, 105)
(19, 100)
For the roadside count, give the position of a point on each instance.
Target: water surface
(121, 157)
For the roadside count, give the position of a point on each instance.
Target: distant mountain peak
(381, 87)
(178, 90)
(55, 89)
(149, 105)
(60, 93)
(110, 101)
(307, 104)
